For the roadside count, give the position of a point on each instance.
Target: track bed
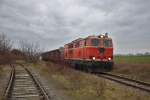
(24, 86)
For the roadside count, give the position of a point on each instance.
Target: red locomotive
(93, 53)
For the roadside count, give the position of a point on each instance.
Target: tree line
(27, 51)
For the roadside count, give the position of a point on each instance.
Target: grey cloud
(55, 22)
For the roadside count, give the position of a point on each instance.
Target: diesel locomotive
(93, 53)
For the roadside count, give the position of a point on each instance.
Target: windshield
(107, 43)
(95, 42)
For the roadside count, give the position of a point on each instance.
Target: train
(91, 54)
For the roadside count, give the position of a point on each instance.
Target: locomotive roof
(91, 36)
(79, 39)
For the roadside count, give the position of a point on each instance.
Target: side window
(85, 43)
(70, 46)
(76, 44)
(95, 42)
(107, 43)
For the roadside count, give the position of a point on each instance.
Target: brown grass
(4, 76)
(136, 71)
(82, 86)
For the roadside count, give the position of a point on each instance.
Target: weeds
(135, 71)
(0, 71)
(99, 87)
(82, 86)
(75, 81)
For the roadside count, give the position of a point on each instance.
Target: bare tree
(5, 48)
(31, 51)
(5, 44)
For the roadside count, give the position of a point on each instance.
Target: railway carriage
(54, 55)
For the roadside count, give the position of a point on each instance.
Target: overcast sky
(55, 22)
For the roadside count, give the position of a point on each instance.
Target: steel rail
(126, 81)
(39, 85)
(10, 82)
(8, 90)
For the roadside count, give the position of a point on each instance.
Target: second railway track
(24, 86)
(126, 81)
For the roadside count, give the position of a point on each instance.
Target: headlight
(109, 58)
(102, 36)
(93, 58)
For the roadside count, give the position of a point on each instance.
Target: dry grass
(82, 86)
(137, 67)
(0, 71)
(135, 71)
(4, 76)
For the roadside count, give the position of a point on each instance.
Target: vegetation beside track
(0, 71)
(83, 86)
(136, 67)
(4, 77)
(132, 59)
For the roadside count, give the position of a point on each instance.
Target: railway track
(126, 81)
(24, 86)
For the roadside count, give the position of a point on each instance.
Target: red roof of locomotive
(91, 36)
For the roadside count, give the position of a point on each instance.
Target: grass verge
(132, 59)
(82, 86)
(4, 77)
(136, 67)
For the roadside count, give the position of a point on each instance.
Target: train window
(76, 44)
(85, 42)
(95, 42)
(70, 46)
(107, 43)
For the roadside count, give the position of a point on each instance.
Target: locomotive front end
(100, 53)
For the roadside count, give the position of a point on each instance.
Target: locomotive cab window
(95, 42)
(107, 43)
